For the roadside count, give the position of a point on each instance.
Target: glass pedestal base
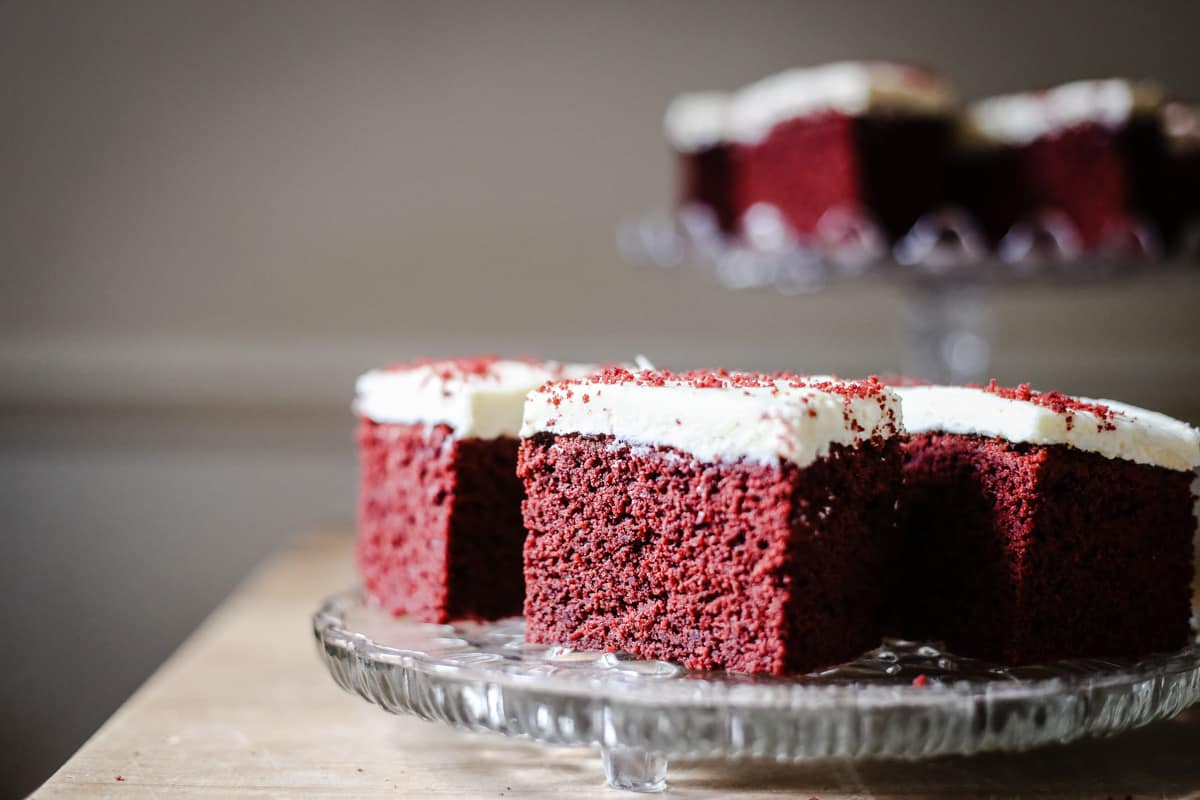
(902, 700)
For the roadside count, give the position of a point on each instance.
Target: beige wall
(212, 215)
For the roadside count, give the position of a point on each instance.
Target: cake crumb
(920, 680)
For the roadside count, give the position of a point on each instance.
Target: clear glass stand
(902, 700)
(943, 266)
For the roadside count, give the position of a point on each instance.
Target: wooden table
(245, 709)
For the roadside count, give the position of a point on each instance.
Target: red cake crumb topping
(481, 367)
(724, 379)
(920, 680)
(1055, 401)
(461, 367)
(872, 388)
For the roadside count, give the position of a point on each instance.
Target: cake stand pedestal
(943, 266)
(903, 700)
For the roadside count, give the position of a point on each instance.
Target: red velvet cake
(1037, 526)
(439, 523)
(842, 147)
(1090, 153)
(695, 126)
(718, 520)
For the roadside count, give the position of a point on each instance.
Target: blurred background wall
(213, 215)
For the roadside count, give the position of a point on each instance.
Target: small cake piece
(1090, 152)
(1039, 527)
(847, 143)
(439, 522)
(695, 126)
(719, 520)
(1181, 124)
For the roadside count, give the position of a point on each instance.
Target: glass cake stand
(943, 264)
(902, 700)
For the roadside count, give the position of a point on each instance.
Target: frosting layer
(718, 416)
(848, 87)
(1022, 118)
(696, 121)
(1111, 429)
(478, 398)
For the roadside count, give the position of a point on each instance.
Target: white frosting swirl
(757, 423)
(1133, 434)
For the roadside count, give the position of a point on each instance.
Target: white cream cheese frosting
(849, 87)
(718, 416)
(1126, 432)
(1021, 118)
(697, 121)
(479, 398)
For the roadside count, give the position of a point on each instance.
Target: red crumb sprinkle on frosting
(724, 379)
(555, 393)
(1057, 402)
(920, 680)
(464, 368)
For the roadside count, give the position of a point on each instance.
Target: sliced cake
(439, 522)
(695, 126)
(719, 520)
(1038, 526)
(841, 147)
(1085, 159)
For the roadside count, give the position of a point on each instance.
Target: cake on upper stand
(850, 151)
(1084, 161)
(842, 148)
(696, 126)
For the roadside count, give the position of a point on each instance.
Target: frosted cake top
(717, 415)
(697, 121)
(1023, 117)
(1111, 429)
(849, 87)
(478, 397)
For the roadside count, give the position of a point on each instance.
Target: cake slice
(695, 126)
(1088, 153)
(829, 148)
(719, 520)
(439, 515)
(1038, 526)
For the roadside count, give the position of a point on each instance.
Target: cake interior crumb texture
(440, 530)
(1027, 553)
(746, 566)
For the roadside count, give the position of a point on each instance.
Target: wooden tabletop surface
(245, 709)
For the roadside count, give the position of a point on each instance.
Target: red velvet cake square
(1039, 527)
(841, 149)
(1086, 159)
(439, 523)
(695, 126)
(722, 521)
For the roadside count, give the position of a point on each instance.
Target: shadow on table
(1162, 760)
